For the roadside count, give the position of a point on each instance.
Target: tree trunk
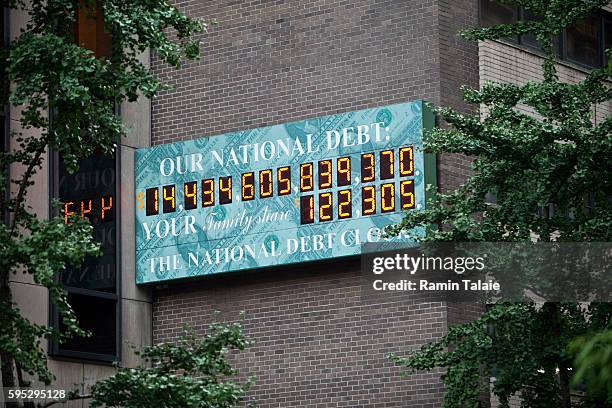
(23, 384)
(564, 383)
(564, 386)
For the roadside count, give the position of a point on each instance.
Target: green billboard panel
(304, 191)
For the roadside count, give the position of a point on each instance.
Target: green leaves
(593, 356)
(535, 147)
(68, 100)
(192, 372)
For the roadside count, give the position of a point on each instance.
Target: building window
(607, 34)
(584, 43)
(94, 288)
(493, 13)
(529, 39)
(89, 30)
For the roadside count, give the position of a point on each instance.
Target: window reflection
(582, 42)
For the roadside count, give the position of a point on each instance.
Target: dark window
(97, 315)
(493, 13)
(529, 39)
(93, 288)
(582, 42)
(607, 36)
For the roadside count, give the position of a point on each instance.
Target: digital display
(283, 175)
(325, 174)
(265, 183)
(387, 164)
(208, 192)
(225, 190)
(307, 209)
(152, 201)
(407, 194)
(345, 204)
(190, 192)
(344, 171)
(368, 172)
(326, 207)
(90, 193)
(284, 194)
(306, 177)
(169, 202)
(249, 188)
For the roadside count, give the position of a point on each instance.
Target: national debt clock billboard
(304, 191)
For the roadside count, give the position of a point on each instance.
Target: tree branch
(23, 184)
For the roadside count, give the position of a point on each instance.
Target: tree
(556, 157)
(191, 373)
(48, 72)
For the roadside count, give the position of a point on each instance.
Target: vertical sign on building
(91, 193)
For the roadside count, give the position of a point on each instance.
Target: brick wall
(271, 62)
(503, 63)
(318, 344)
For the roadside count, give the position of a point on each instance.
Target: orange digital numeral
(190, 191)
(344, 171)
(406, 157)
(306, 177)
(386, 165)
(407, 194)
(283, 176)
(248, 186)
(307, 209)
(367, 167)
(152, 201)
(265, 183)
(169, 202)
(325, 174)
(345, 207)
(67, 212)
(387, 197)
(225, 190)
(208, 192)
(368, 200)
(85, 210)
(106, 208)
(325, 206)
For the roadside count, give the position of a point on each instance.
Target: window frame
(55, 349)
(600, 15)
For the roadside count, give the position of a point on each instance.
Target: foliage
(594, 363)
(191, 373)
(533, 146)
(50, 73)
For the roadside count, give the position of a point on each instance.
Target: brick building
(317, 342)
